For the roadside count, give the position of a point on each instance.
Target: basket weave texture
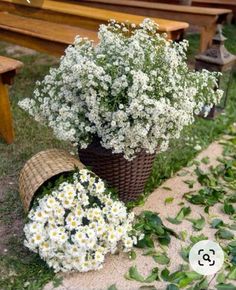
(128, 177)
(40, 168)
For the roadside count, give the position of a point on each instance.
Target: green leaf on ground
(132, 255)
(150, 252)
(224, 234)
(217, 223)
(161, 258)
(223, 286)
(205, 160)
(151, 225)
(184, 211)
(231, 198)
(198, 224)
(221, 278)
(57, 281)
(228, 208)
(165, 273)
(182, 173)
(184, 253)
(232, 273)
(173, 221)
(232, 227)
(196, 239)
(167, 188)
(169, 200)
(201, 285)
(183, 278)
(153, 276)
(112, 287)
(183, 235)
(147, 287)
(190, 183)
(206, 178)
(206, 196)
(133, 274)
(172, 287)
(146, 242)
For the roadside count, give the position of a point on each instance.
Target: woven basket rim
(40, 168)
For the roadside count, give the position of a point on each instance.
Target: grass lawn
(20, 269)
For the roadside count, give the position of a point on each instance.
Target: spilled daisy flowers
(133, 90)
(75, 226)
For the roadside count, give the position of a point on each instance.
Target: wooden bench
(227, 4)
(8, 69)
(40, 26)
(206, 18)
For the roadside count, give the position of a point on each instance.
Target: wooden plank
(227, 4)
(206, 18)
(42, 45)
(220, 2)
(6, 124)
(161, 6)
(9, 64)
(86, 16)
(57, 33)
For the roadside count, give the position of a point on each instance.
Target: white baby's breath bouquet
(133, 90)
(74, 224)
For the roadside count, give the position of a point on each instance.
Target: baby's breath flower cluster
(77, 224)
(133, 90)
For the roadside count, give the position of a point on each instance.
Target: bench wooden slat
(9, 64)
(43, 29)
(8, 69)
(228, 4)
(163, 6)
(206, 18)
(98, 16)
(221, 2)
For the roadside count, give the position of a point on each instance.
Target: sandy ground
(117, 265)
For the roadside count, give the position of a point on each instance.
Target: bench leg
(6, 125)
(207, 33)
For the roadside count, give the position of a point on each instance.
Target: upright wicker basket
(128, 177)
(40, 168)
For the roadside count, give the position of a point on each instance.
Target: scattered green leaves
(133, 274)
(172, 287)
(217, 223)
(112, 287)
(207, 196)
(151, 225)
(205, 160)
(169, 200)
(232, 273)
(190, 183)
(180, 278)
(161, 258)
(228, 208)
(223, 286)
(185, 211)
(167, 188)
(224, 234)
(132, 255)
(198, 224)
(196, 239)
(221, 278)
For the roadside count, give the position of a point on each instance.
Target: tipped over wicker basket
(42, 167)
(128, 177)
